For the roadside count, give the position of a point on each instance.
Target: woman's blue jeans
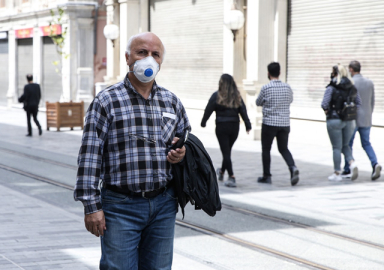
(140, 231)
(340, 132)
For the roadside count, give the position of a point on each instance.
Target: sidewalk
(309, 144)
(42, 224)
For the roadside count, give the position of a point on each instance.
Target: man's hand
(175, 156)
(95, 223)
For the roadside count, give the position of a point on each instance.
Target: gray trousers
(340, 133)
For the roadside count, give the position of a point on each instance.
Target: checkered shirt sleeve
(126, 140)
(275, 98)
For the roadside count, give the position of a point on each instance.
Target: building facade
(307, 37)
(200, 48)
(66, 73)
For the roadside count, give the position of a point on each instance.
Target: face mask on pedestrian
(146, 69)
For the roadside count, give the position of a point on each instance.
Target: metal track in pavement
(191, 226)
(248, 244)
(227, 206)
(301, 225)
(61, 164)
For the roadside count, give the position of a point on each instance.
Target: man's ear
(126, 58)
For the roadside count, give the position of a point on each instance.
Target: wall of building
(78, 52)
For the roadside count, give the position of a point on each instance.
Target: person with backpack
(366, 91)
(228, 104)
(340, 104)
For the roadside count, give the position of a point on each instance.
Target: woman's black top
(225, 114)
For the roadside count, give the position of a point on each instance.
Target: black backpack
(343, 101)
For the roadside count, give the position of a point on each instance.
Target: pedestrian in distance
(31, 99)
(276, 98)
(129, 128)
(366, 90)
(340, 104)
(228, 104)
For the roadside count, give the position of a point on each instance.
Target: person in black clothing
(228, 104)
(31, 98)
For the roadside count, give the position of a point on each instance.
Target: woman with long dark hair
(228, 104)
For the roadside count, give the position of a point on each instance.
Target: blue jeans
(140, 231)
(365, 143)
(340, 133)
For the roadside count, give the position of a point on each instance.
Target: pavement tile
(41, 241)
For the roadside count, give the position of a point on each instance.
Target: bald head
(147, 38)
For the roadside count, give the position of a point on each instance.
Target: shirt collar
(128, 85)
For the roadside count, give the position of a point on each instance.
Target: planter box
(65, 114)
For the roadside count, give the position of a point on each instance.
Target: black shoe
(29, 135)
(231, 182)
(40, 131)
(346, 174)
(294, 175)
(220, 175)
(376, 172)
(264, 179)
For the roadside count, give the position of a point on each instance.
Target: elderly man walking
(366, 91)
(129, 128)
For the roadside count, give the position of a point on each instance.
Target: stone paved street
(43, 227)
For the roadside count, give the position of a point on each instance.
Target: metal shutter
(3, 70)
(24, 62)
(51, 83)
(192, 32)
(324, 33)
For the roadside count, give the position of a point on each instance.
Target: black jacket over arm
(195, 179)
(225, 114)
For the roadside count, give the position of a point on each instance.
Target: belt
(146, 195)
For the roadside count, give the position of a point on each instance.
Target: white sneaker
(354, 170)
(335, 178)
(376, 172)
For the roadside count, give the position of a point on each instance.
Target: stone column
(281, 36)
(85, 57)
(228, 46)
(11, 94)
(266, 42)
(37, 55)
(113, 49)
(130, 18)
(123, 37)
(67, 60)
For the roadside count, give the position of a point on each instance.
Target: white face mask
(146, 69)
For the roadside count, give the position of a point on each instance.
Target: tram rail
(224, 205)
(195, 227)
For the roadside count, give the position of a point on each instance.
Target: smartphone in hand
(180, 143)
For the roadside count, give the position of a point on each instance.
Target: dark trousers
(227, 134)
(268, 133)
(32, 112)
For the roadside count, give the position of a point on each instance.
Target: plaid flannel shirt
(125, 141)
(276, 98)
